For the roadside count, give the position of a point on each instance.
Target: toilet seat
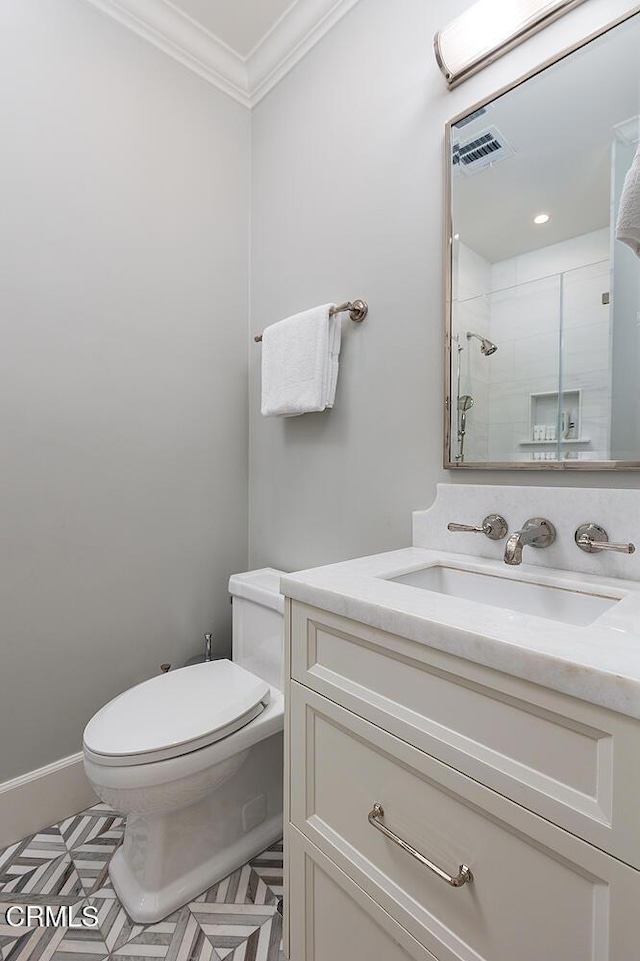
(175, 714)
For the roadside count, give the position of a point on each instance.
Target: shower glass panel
(542, 392)
(515, 382)
(585, 382)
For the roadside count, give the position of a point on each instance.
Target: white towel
(300, 363)
(628, 224)
(335, 337)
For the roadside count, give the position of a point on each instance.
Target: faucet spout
(513, 549)
(536, 532)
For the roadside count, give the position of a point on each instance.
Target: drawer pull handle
(464, 873)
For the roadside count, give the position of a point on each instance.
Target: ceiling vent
(482, 150)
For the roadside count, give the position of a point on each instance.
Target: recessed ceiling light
(541, 219)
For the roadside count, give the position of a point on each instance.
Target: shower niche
(555, 422)
(556, 415)
(542, 301)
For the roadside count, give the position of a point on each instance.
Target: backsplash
(618, 511)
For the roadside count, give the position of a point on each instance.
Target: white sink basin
(526, 597)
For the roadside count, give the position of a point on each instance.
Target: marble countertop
(599, 662)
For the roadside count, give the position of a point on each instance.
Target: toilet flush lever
(493, 526)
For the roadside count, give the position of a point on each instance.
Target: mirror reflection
(545, 301)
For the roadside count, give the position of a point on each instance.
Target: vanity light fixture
(488, 29)
(542, 219)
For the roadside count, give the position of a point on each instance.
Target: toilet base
(171, 856)
(148, 907)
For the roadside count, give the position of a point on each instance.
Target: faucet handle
(592, 539)
(493, 526)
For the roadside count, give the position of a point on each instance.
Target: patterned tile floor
(67, 865)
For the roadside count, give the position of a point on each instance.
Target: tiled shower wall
(520, 309)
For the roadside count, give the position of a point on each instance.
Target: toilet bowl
(194, 758)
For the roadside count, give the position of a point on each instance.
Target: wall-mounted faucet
(536, 532)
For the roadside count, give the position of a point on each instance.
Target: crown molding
(176, 34)
(245, 79)
(297, 31)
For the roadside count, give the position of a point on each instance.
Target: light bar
(489, 29)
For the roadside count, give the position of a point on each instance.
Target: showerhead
(465, 403)
(487, 347)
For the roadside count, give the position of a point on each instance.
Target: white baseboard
(35, 800)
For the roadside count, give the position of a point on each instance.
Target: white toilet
(194, 758)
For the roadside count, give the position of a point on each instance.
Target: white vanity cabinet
(535, 792)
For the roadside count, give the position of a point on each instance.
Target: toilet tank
(258, 623)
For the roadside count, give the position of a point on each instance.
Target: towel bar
(358, 310)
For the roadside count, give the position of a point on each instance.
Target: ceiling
(240, 24)
(242, 47)
(561, 127)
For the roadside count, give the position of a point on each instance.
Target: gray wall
(123, 296)
(347, 202)
(123, 413)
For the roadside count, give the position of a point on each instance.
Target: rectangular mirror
(543, 303)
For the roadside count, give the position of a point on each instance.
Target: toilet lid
(175, 713)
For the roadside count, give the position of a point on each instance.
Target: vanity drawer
(572, 762)
(537, 891)
(336, 920)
